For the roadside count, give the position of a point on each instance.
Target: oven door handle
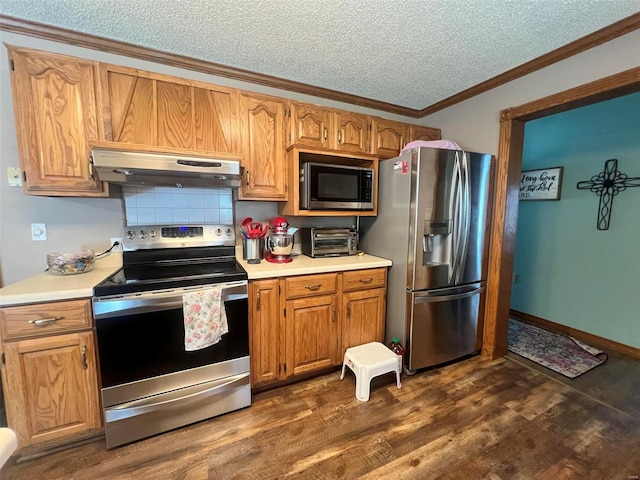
(139, 407)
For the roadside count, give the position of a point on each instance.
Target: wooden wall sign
(607, 184)
(543, 184)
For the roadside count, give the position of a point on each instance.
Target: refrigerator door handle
(434, 297)
(466, 217)
(457, 220)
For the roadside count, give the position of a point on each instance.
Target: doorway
(509, 166)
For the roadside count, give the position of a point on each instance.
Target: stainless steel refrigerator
(432, 222)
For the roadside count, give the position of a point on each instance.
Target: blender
(278, 242)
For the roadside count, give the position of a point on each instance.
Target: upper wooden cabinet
(265, 168)
(54, 101)
(419, 132)
(388, 137)
(353, 132)
(153, 109)
(319, 127)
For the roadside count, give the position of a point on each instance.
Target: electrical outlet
(38, 232)
(117, 248)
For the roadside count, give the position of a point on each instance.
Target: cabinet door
(388, 137)
(312, 334)
(310, 126)
(265, 169)
(353, 132)
(55, 109)
(364, 313)
(160, 110)
(418, 132)
(51, 387)
(264, 328)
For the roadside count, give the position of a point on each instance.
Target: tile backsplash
(171, 205)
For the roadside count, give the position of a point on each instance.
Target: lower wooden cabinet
(264, 330)
(302, 324)
(50, 382)
(312, 334)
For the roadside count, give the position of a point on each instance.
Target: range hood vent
(153, 168)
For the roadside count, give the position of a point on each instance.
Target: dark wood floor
(475, 419)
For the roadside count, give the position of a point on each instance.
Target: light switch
(38, 232)
(13, 176)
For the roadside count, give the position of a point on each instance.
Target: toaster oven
(329, 242)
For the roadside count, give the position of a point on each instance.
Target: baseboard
(579, 334)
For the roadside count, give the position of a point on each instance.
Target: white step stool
(368, 361)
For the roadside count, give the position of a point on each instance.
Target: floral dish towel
(205, 319)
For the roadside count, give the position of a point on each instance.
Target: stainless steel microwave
(326, 186)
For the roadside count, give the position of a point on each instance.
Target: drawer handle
(333, 313)
(44, 321)
(313, 287)
(349, 310)
(366, 280)
(83, 357)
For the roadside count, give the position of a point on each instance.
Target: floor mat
(560, 353)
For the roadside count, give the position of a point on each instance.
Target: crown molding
(70, 37)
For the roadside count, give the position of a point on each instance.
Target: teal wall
(566, 270)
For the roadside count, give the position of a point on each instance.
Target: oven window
(144, 345)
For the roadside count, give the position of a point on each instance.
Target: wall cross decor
(607, 184)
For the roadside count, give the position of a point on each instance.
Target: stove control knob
(153, 234)
(143, 234)
(131, 235)
(228, 232)
(218, 232)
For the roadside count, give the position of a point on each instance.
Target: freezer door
(442, 325)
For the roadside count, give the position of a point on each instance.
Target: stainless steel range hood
(156, 168)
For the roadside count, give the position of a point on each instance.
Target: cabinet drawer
(307, 285)
(45, 318)
(363, 279)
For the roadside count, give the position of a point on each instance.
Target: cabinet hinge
(4, 361)
(278, 289)
(12, 64)
(285, 313)
(285, 368)
(24, 176)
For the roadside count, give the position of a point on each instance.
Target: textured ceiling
(410, 53)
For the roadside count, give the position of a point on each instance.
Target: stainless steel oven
(149, 382)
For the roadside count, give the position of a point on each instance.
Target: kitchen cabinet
(148, 108)
(302, 324)
(310, 126)
(49, 372)
(419, 132)
(388, 137)
(311, 322)
(54, 101)
(318, 127)
(264, 330)
(264, 166)
(363, 307)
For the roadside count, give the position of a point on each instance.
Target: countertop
(49, 287)
(302, 265)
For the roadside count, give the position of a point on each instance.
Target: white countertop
(48, 287)
(302, 265)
